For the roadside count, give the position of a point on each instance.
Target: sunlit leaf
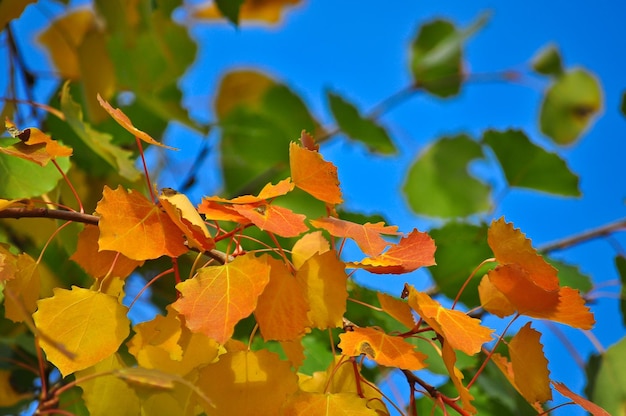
(438, 183)
(89, 324)
(268, 193)
(397, 308)
(494, 301)
(527, 165)
(218, 297)
(135, 227)
(359, 128)
(34, 145)
(548, 61)
(21, 291)
(311, 173)
(339, 404)
(385, 349)
(307, 246)
(367, 236)
(275, 219)
(456, 376)
(530, 366)
(185, 216)
(215, 211)
(266, 11)
(592, 408)
(569, 106)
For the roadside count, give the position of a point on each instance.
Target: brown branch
(433, 392)
(601, 231)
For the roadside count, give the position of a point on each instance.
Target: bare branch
(601, 231)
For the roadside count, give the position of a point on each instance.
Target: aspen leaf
(412, 252)
(367, 236)
(315, 176)
(8, 263)
(337, 404)
(323, 278)
(8, 203)
(307, 246)
(185, 216)
(269, 191)
(397, 308)
(99, 263)
(89, 324)
(591, 407)
(34, 145)
(123, 120)
(215, 211)
(506, 368)
(282, 308)
(294, 350)
(248, 383)
(8, 394)
(135, 227)
(278, 220)
(22, 290)
(460, 331)
(449, 359)
(308, 141)
(10, 10)
(218, 297)
(530, 366)
(268, 11)
(492, 300)
(384, 349)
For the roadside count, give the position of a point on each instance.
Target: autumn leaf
(215, 211)
(310, 244)
(268, 11)
(34, 145)
(315, 176)
(456, 376)
(412, 252)
(123, 120)
(218, 297)
(294, 351)
(97, 263)
(185, 216)
(248, 383)
(337, 404)
(308, 142)
(8, 263)
(492, 300)
(460, 331)
(21, 291)
(89, 324)
(592, 408)
(278, 220)
(367, 236)
(323, 278)
(530, 366)
(282, 308)
(385, 349)
(268, 192)
(137, 228)
(397, 308)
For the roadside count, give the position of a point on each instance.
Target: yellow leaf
(397, 308)
(492, 300)
(323, 277)
(22, 291)
(8, 263)
(338, 404)
(185, 216)
(89, 324)
(268, 11)
(294, 350)
(248, 383)
(315, 176)
(8, 396)
(384, 349)
(282, 308)
(449, 359)
(307, 246)
(530, 366)
(218, 297)
(241, 88)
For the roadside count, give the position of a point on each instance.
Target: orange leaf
(315, 176)
(185, 216)
(412, 252)
(35, 145)
(385, 349)
(308, 142)
(215, 211)
(323, 277)
(492, 300)
(449, 359)
(268, 11)
(367, 236)
(506, 368)
(274, 219)
(98, 263)
(592, 408)
(282, 308)
(123, 120)
(460, 331)
(268, 192)
(529, 364)
(571, 310)
(218, 297)
(337, 404)
(91, 325)
(294, 350)
(307, 246)
(397, 308)
(135, 227)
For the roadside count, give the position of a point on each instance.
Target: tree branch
(584, 236)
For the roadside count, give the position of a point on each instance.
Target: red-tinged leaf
(137, 228)
(99, 264)
(35, 153)
(337, 404)
(218, 297)
(570, 310)
(21, 291)
(123, 120)
(33, 136)
(385, 349)
(311, 173)
(278, 220)
(215, 211)
(367, 236)
(460, 331)
(308, 142)
(268, 192)
(449, 359)
(412, 252)
(91, 325)
(530, 366)
(397, 308)
(492, 300)
(591, 407)
(323, 278)
(307, 246)
(185, 216)
(282, 308)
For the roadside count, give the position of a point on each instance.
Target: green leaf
(607, 379)
(569, 105)
(620, 265)
(21, 178)
(100, 143)
(571, 276)
(527, 165)
(548, 61)
(623, 106)
(357, 127)
(230, 9)
(438, 183)
(461, 247)
(436, 58)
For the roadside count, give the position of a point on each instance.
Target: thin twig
(601, 231)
